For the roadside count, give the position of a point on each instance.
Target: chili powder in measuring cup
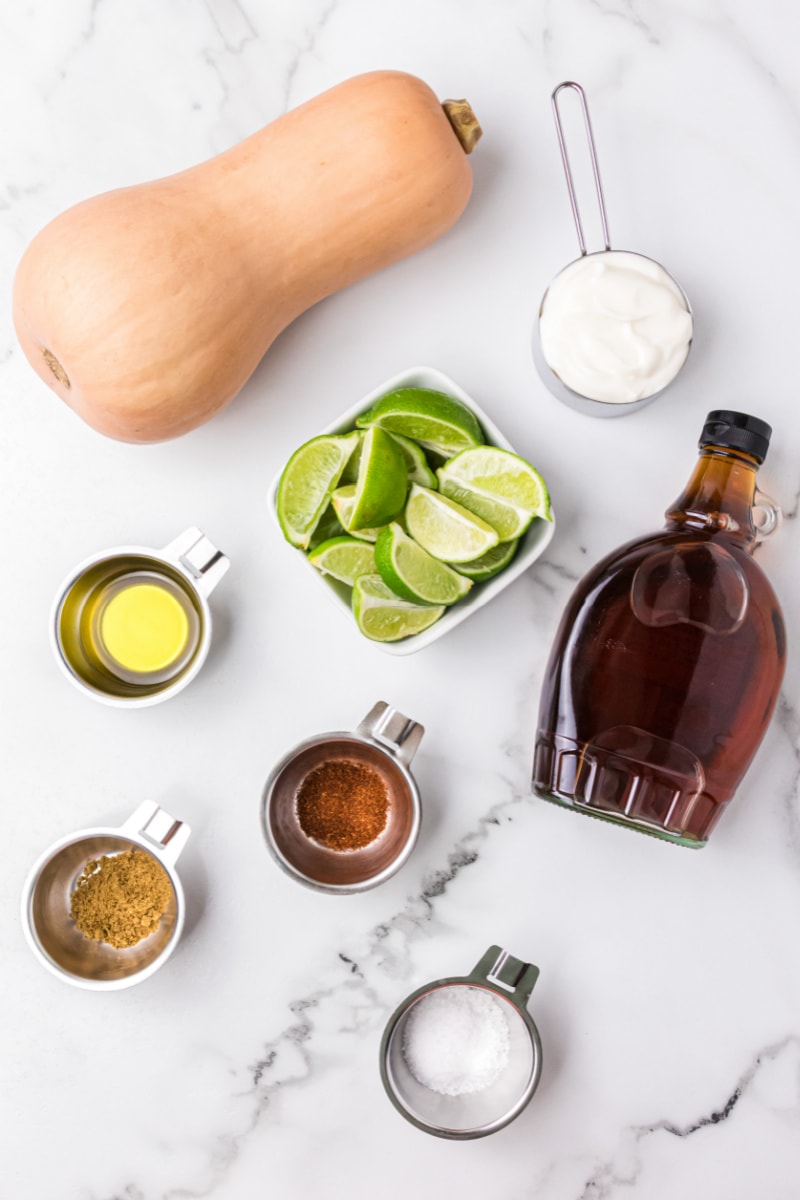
(342, 804)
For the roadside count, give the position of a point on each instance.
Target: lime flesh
(385, 617)
(343, 501)
(307, 484)
(344, 558)
(498, 486)
(413, 573)
(446, 529)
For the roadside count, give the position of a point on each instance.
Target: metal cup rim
(288, 867)
(587, 404)
(201, 654)
(29, 889)
(460, 1135)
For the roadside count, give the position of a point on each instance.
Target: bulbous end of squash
(466, 125)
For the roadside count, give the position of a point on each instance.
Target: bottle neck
(720, 495)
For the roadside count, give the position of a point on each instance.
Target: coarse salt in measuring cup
(461, 1057)
(456, 1040)
(614, 326)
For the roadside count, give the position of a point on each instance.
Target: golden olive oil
(129, 626)
(141, 626)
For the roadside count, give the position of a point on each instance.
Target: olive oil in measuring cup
(140, 626)
(133, 626)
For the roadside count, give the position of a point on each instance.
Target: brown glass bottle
(668, 661)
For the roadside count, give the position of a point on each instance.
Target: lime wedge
(383, 616)
(380, 490)
(417, 465)
(509, 521)
(436, 421)
(413, 573)
(343, 501)
(350, 473)
(498, 486)
(489, 564)
(307, 484)
(328, 526)
(344, 558)
(446, 529)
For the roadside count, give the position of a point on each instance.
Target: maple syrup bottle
(669, 657)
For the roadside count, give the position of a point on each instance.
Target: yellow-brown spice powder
(120, 898)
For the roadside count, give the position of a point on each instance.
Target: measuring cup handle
(516, 978)
(195, 554)
(392, 731)
(162, 832)
(570, 85)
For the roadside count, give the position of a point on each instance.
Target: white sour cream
(614, 326)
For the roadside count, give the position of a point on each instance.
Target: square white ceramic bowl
(532, 544)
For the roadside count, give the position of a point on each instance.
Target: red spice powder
(342, 804)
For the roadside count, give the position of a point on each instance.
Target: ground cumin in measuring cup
(120, 898)
(342, 804)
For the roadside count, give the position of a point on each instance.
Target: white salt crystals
(456, 1040)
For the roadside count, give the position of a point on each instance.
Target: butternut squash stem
(464, 122)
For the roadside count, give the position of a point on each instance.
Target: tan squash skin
(157, 302)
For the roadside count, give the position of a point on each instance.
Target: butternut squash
(146, 309)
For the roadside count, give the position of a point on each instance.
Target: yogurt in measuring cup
(615, 327)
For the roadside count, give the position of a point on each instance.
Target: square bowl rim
(538, 536)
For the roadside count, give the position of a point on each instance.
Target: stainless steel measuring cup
(569, 395)
(51, 932)
(190, 566)
(474, 1114)
(385, 741)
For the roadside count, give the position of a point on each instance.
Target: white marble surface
(669, 997)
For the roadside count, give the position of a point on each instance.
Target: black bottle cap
(738, 431)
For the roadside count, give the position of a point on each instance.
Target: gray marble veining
(670, 988)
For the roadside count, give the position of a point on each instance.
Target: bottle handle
(766, 516)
